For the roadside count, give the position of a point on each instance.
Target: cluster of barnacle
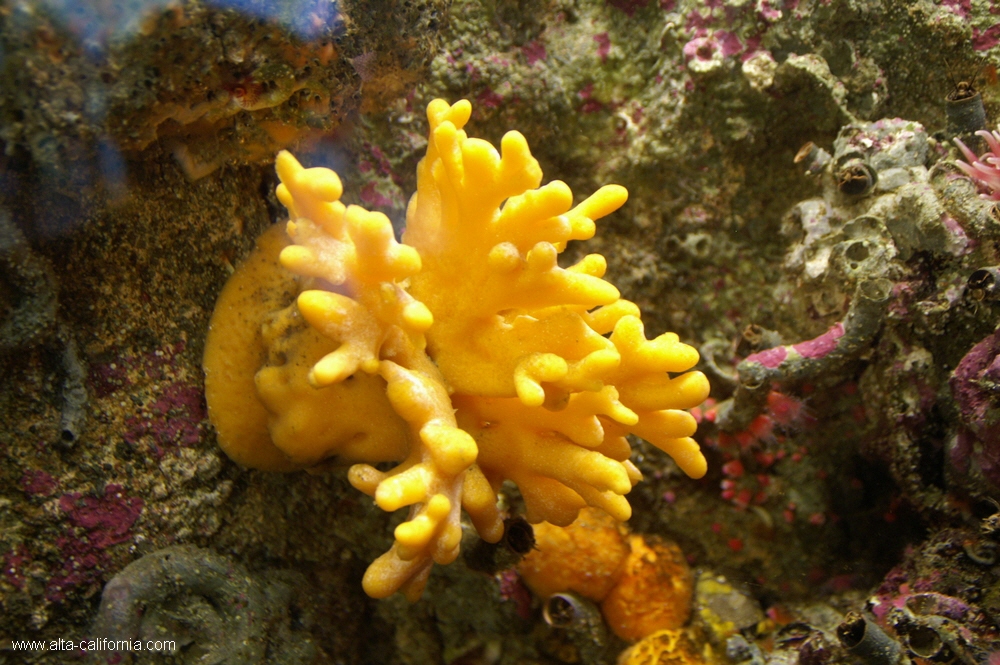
(848, 245)
(914, 618)
(976, 379)
(887, 206)
(909, 620)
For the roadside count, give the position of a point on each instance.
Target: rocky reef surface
(794, 211)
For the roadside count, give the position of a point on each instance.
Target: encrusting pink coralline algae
(984, 169)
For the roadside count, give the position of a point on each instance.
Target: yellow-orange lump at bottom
(668, 647)
(643, 586)
(464, 353)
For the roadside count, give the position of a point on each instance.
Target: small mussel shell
(855, 178)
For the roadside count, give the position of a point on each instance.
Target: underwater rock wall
(136, 174)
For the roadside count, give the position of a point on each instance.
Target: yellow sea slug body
(465, 353)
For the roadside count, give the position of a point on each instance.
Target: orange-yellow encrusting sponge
(654, 590)
(643, 585)
(585, 557)
(465, 353)
(669, 647)
(257, 357)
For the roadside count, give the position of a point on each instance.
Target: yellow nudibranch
(464, 353)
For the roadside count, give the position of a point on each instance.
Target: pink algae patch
(770, 358)
(381, 161)
(589, 105)
(985, 39)
(603, 45)
(768, 11)
(729, 42)
(130, 369)
(100, 522)
(512, 589)
(107, 519)
(15, 565)
(696, 24)
(534, 51)
(489, 98)
(371, 196)
(628, 6)
(822, 345)
(176, 418)
(38, 483)
(960, 7)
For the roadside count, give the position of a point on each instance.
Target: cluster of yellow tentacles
(465, 353)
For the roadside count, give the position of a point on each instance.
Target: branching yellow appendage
(484, 359)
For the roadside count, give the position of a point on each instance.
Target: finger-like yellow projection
(464, 353)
